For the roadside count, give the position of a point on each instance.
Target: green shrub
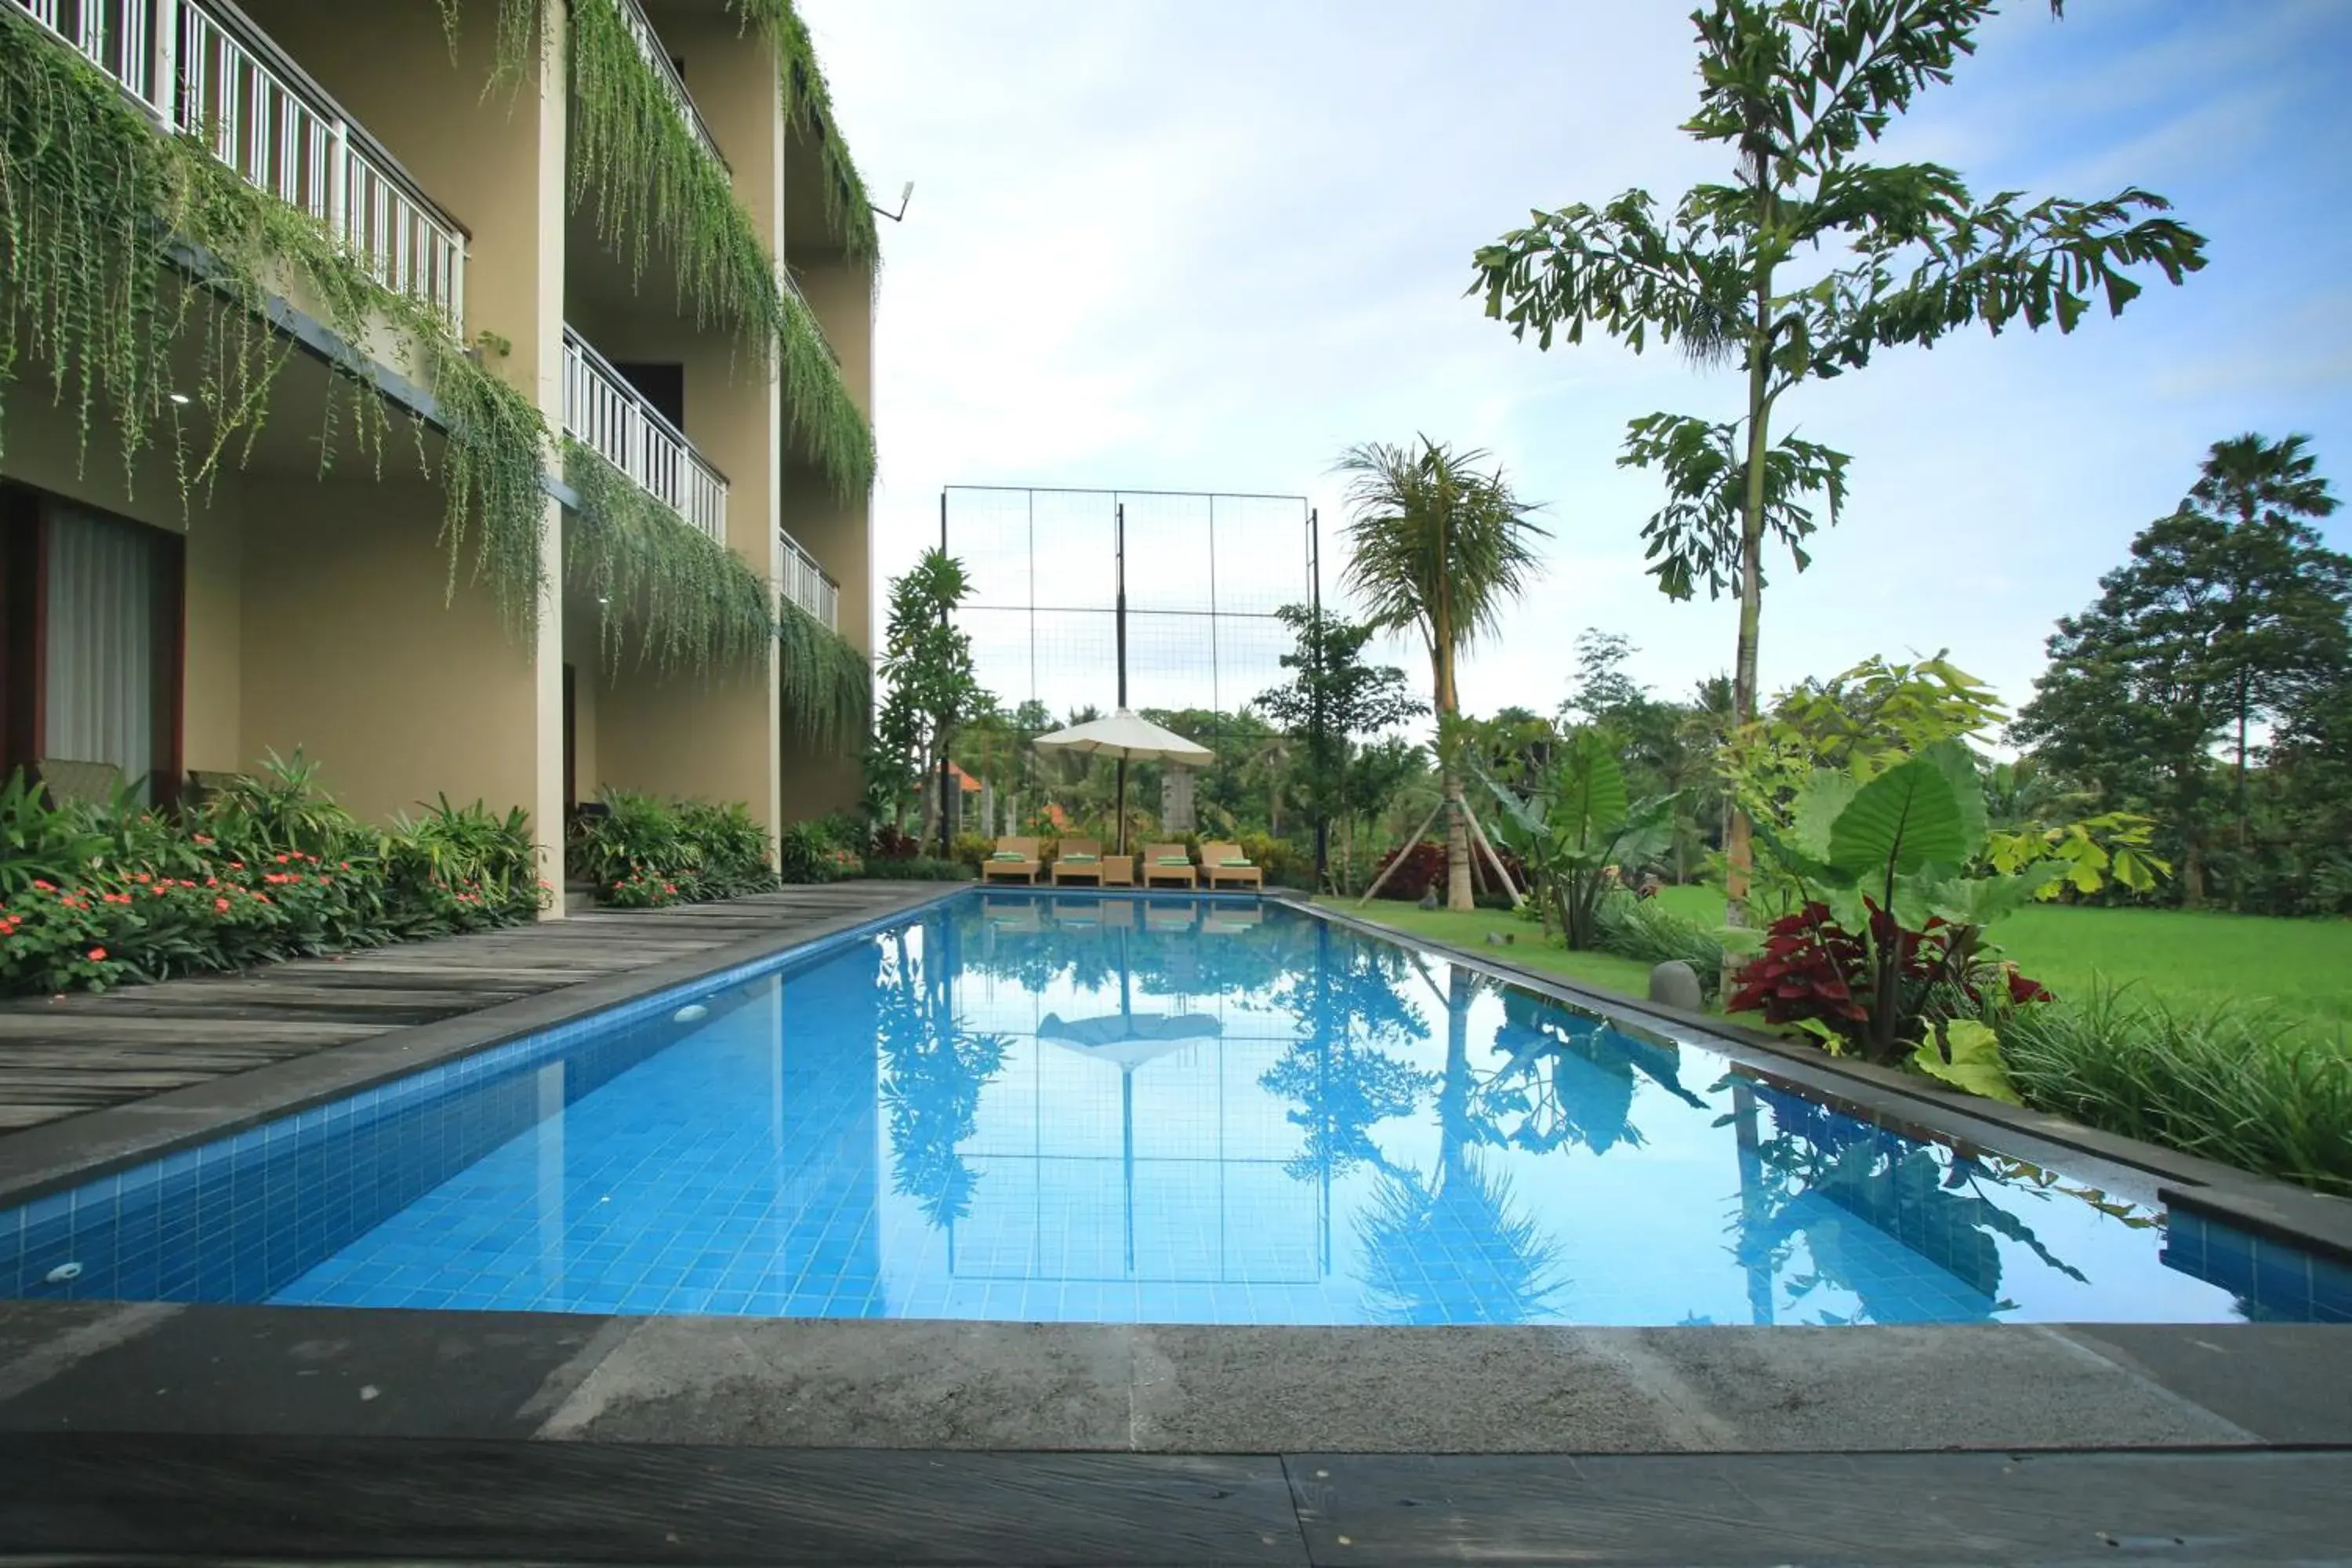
(265, 868)
(814, 852)
(645, 852)
(2239, 1084)
(1646, 931)
(971, 849)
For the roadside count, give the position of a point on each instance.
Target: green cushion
(1073, 858)
(1243, 863)
(1183, 860)
(1008, 855)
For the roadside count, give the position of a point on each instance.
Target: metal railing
(202, 68)
(604, 413)
(806, 584)
(649, 45)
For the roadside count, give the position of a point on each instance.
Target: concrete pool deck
(326, 1433)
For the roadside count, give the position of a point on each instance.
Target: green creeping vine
(639, 165)
(847, 205)
(828, 687)
(701, 606)
(116, 241)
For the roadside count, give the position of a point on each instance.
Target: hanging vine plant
(117, 242)
(828, 687)
(638, 167)
(696, 604)
(847, 208)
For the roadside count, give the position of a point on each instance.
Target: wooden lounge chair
(1080, 859)
(1223, 863)
(1167, 863)
(1118, 871)
(1014, 858)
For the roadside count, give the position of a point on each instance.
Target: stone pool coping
(2280, 1211)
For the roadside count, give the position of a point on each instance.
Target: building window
(92, 641)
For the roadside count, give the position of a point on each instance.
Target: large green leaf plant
(1576, 832)
(1901, 877)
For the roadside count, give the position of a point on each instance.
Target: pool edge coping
(58, 1156)
(2266, 1205)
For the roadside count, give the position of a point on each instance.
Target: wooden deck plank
(65, 1056)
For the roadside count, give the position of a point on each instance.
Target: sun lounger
(1118, 871)
(1223, 863)
(1080, 859)
(1013, 858)
(1168, 864)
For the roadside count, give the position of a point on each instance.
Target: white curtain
(100, 704)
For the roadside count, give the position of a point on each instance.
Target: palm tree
(2247, 481)
(1435, 544)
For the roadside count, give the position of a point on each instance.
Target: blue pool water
(1115, 1110)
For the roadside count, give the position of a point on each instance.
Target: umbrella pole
(1122, 806)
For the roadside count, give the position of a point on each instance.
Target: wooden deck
(68, 1056)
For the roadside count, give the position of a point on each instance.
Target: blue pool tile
(918, 1140)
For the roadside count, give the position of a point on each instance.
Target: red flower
(98, 955)
(221, 904)
(41, 887)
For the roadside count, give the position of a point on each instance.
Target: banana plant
(1576, 830)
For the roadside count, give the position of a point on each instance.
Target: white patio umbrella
(1131, 739)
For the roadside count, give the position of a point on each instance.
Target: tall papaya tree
(1806, 263)
(1437, 543)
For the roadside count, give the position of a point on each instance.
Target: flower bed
(267, 868)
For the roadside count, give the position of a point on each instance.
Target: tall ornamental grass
(2242, 1084)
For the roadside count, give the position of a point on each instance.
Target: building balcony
(203, 68)
(657, 59)
(603, 413)
(807, 584)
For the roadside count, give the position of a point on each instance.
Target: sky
(1208, 246)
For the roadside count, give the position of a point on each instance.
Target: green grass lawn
(1606, 971)
(2303, 967)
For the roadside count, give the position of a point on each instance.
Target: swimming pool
(1107, 1109)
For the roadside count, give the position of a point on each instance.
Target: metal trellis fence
(1085, 600)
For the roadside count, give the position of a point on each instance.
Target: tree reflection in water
(933, 1072)
(1451, 1248)
(1872, 1177)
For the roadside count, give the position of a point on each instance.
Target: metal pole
(1118, 548)
(944, 777)
(1317, 742)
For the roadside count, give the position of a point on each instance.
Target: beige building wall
(353, 651)
(476, 710)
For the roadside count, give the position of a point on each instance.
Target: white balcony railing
(604, 413)
(806, 584)
(202, 68)
(649, 45)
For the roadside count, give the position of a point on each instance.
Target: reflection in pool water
(1107, 1109)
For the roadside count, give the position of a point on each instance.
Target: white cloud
(1206, 246)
